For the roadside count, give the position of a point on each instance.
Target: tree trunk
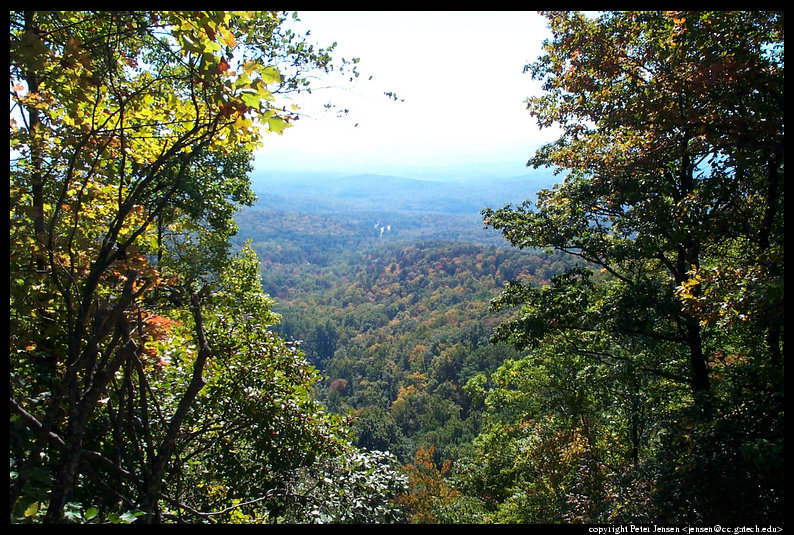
(154, 485)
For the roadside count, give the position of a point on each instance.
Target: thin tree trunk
(166, 449)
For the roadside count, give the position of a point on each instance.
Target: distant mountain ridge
(334, 193)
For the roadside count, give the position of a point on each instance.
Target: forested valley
(599, 340)
(394, 314)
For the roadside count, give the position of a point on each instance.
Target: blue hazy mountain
(327, 193)
(317, 212)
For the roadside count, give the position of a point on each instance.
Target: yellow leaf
(32, 509)
(270, 75)
(277, 124)
(228, 38)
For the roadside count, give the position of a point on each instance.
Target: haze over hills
(315, 192)
(321, 209)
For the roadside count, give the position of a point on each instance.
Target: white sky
(460, 75)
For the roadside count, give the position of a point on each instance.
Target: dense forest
(599, 341)
(393, 318)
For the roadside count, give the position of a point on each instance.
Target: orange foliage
(158, 327)
(338, 385)
(428, 490)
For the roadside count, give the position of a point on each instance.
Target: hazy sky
(460, 75)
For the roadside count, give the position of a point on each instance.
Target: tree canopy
(672, 197)
(143, 366)
(635, 375)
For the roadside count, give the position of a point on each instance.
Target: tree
(672, 139)
(358, 487)
(672, 148)
(429, 499)
(131, 137)
(255, 421)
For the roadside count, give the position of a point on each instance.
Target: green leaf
(271, 75)
(32, 509)
(130, 516)
(277, 124)
(251, 100)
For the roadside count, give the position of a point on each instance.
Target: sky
(460, 85)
